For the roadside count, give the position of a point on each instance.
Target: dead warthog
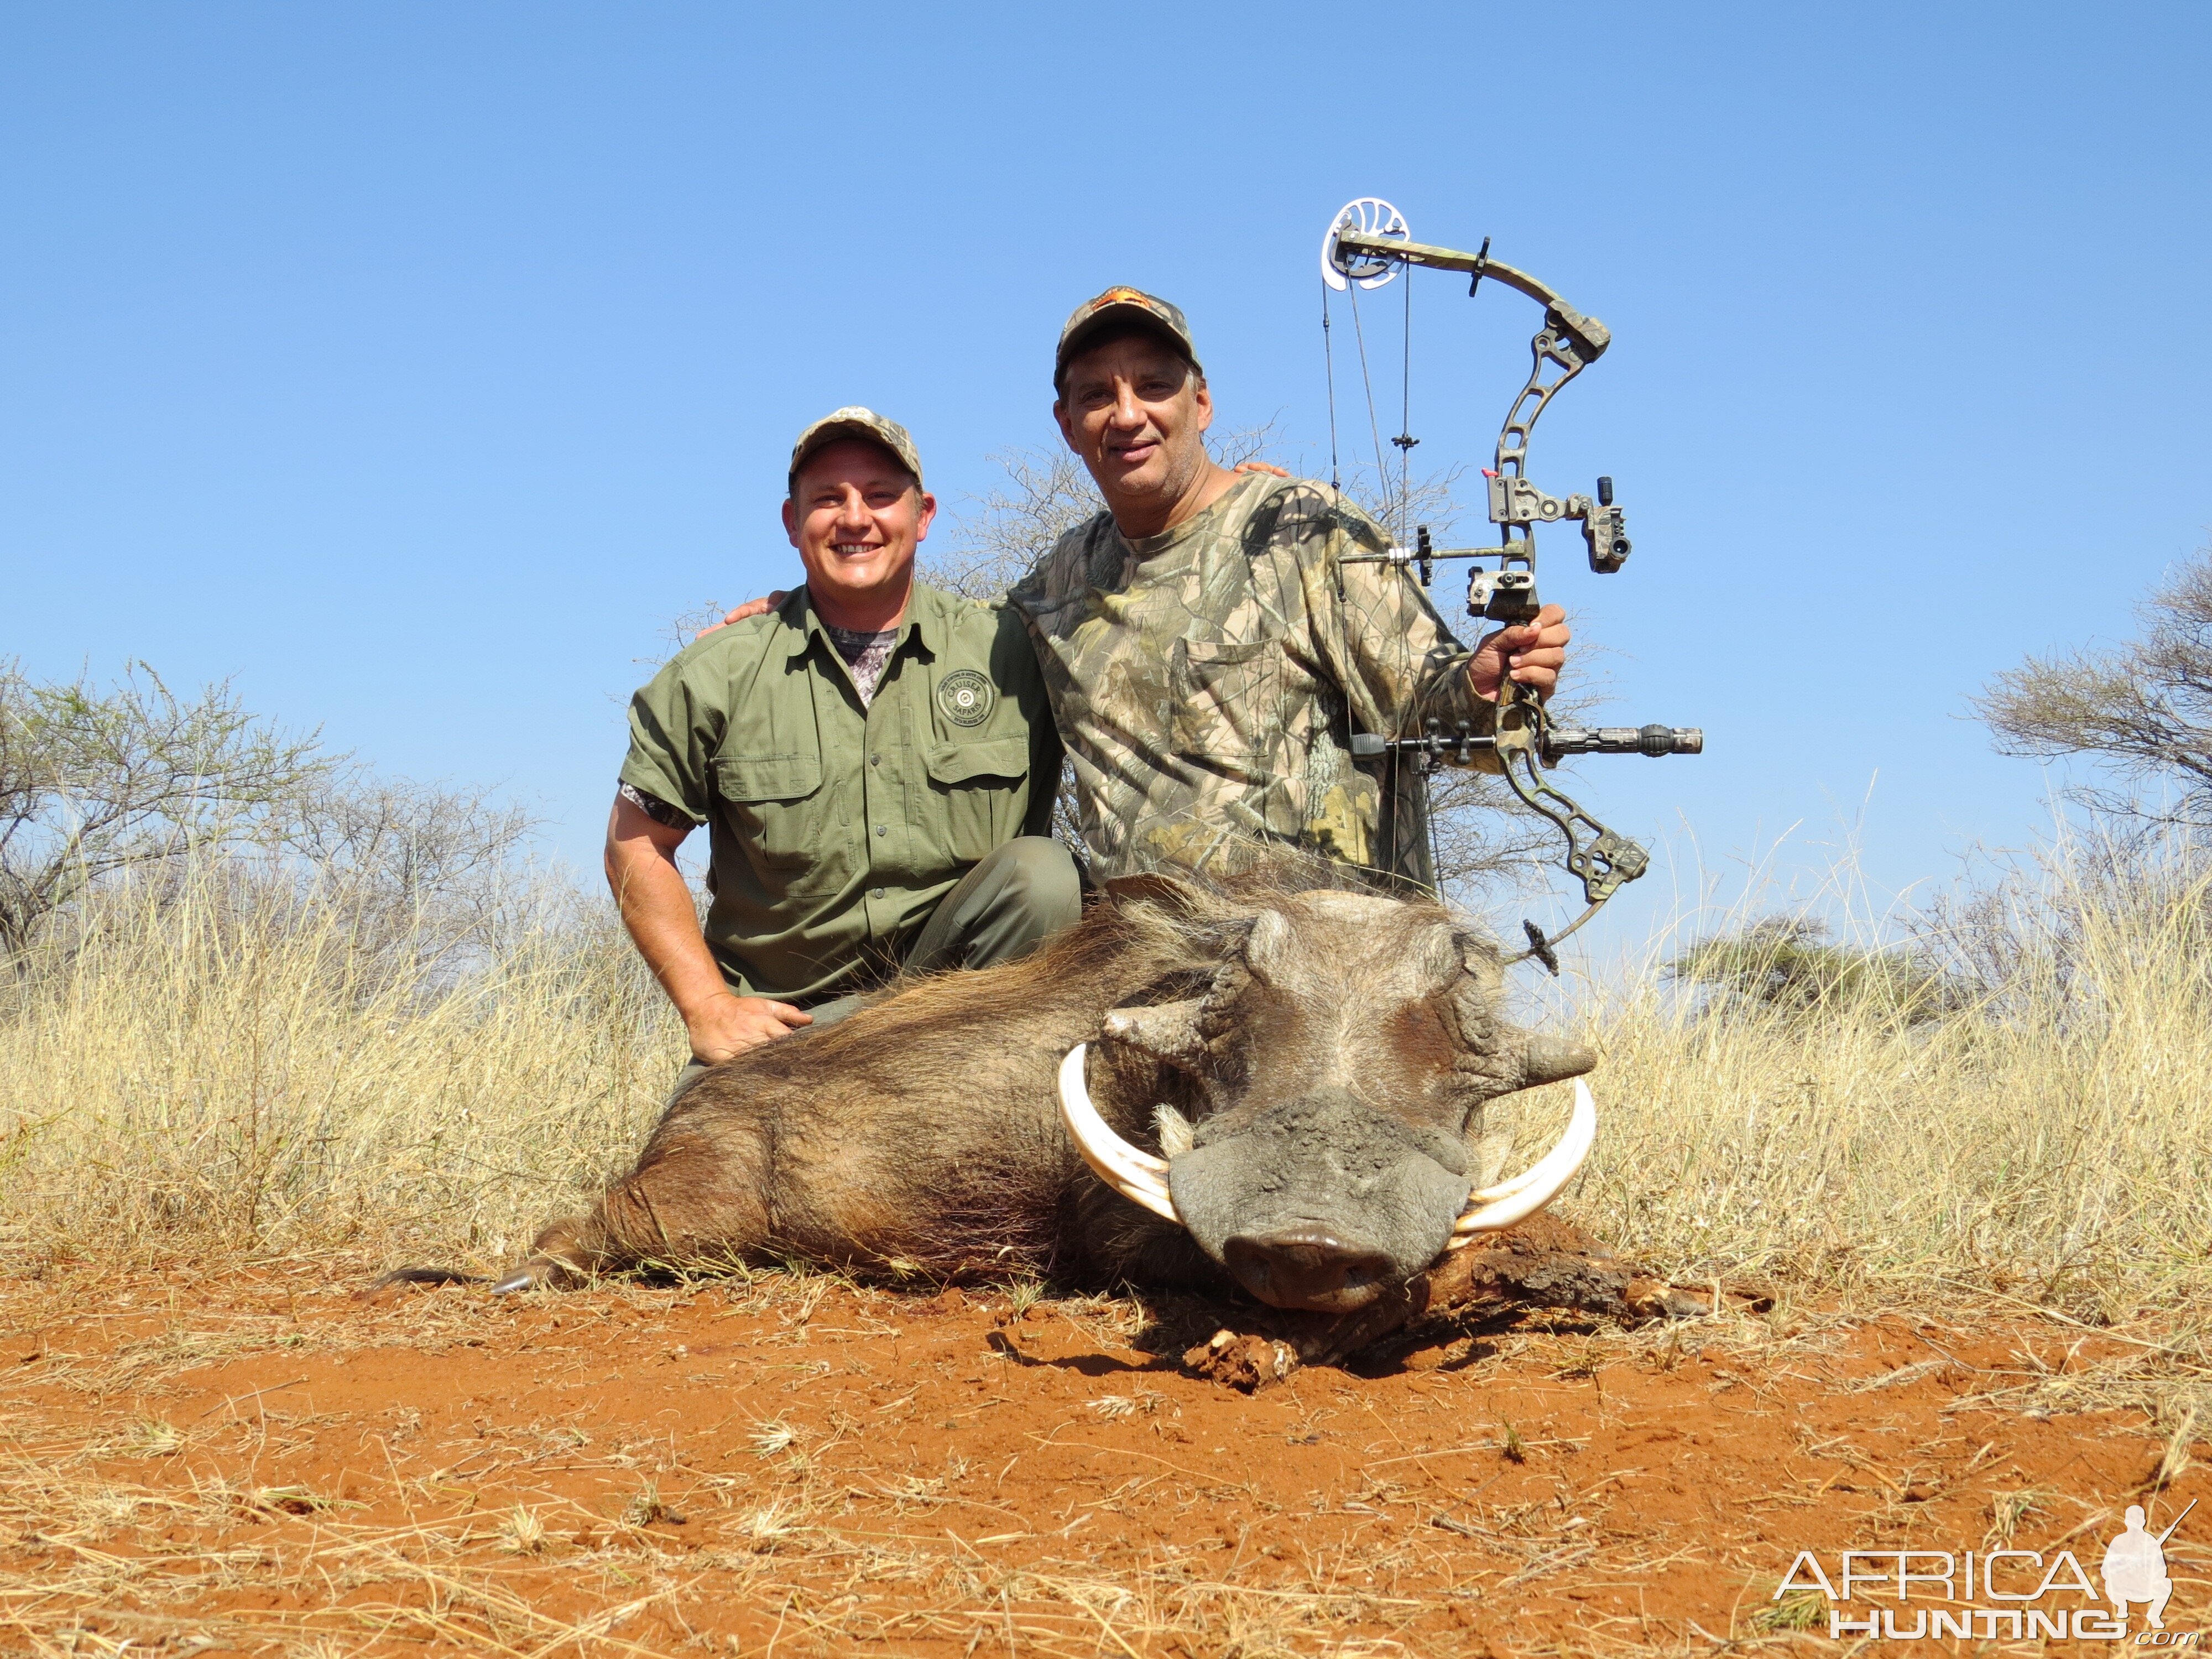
(1253, 1086)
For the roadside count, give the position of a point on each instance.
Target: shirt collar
(925, 614)
(1149, 547)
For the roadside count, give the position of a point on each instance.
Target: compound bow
(1364, 245)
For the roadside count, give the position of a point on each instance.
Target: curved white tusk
(1504, 1189)
(1133, 1173)
(1497, 1207)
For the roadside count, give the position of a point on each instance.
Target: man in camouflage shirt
(1208, 653)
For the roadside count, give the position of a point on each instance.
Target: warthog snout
(1321, 1201)
(1307, 1267)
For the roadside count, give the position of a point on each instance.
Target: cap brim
(821, 439)
(1115, 316)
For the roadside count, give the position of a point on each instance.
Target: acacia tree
(420, 871)
(100, 785)
(2142, 711)
(96, 782)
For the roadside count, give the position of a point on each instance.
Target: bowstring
(1401, 834)
(1426, 803)
(1404, 439)
(1367, 384)
(1328, 364)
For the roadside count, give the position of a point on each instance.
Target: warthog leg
(555, 1261)
(693, 1200)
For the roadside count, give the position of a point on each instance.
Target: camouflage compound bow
(1364, 244)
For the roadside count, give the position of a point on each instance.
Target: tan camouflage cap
(1122, 305)
(855, 422)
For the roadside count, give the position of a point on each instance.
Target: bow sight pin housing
(1515, 500)
(1363, 248)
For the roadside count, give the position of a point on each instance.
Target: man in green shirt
(875, 762)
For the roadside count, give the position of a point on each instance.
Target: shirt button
(875, 892)
(875, 760)
(883, 829)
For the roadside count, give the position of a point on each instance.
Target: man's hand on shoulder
(1532, 653)
(728, 1024)
(745, 612)
(1267, 467)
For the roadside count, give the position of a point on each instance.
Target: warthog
(1271, 1086)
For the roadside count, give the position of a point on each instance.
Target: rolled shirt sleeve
(673, 735)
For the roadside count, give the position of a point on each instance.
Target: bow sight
(1363, 248)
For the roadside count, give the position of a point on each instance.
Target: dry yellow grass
(2042, 1137)
(226, 1066)
(230, 1066)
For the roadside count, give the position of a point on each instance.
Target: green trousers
(1003, 909)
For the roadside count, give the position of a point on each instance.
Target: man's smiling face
(1136, 412)
(856, 516)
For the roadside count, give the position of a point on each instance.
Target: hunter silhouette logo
(2135, 1566)
(2025, 1586)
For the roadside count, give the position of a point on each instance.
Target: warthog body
(1311, 1066)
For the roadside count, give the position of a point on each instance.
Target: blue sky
(415, 364)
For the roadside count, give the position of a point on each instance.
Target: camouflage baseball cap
(855, 422)
(1123, 305)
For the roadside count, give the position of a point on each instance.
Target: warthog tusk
(1136, 1175)
(1499, 1206)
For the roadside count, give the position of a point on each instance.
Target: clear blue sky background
(416, 363)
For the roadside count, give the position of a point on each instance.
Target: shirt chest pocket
(980, 790)
(1231, 701)
(777, 807)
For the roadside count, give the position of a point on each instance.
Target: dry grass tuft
(2030, 1132)
(229, 1065)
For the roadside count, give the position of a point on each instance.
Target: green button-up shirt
(835, 827)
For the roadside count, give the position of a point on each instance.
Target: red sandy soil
(256, 1462)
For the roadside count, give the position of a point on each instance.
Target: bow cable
(1367, 384)
(1405, 440)
(1329, 363)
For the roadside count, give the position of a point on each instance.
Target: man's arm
(1388, 642)
(745, 612)
(655, 902)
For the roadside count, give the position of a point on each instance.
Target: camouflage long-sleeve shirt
(1206, 683)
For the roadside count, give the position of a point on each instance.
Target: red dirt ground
(257, 1463)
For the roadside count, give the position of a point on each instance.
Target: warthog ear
(1553, 1060)
(1166, 1030)
(1267, 944)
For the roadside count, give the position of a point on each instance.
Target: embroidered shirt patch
(964, 697)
